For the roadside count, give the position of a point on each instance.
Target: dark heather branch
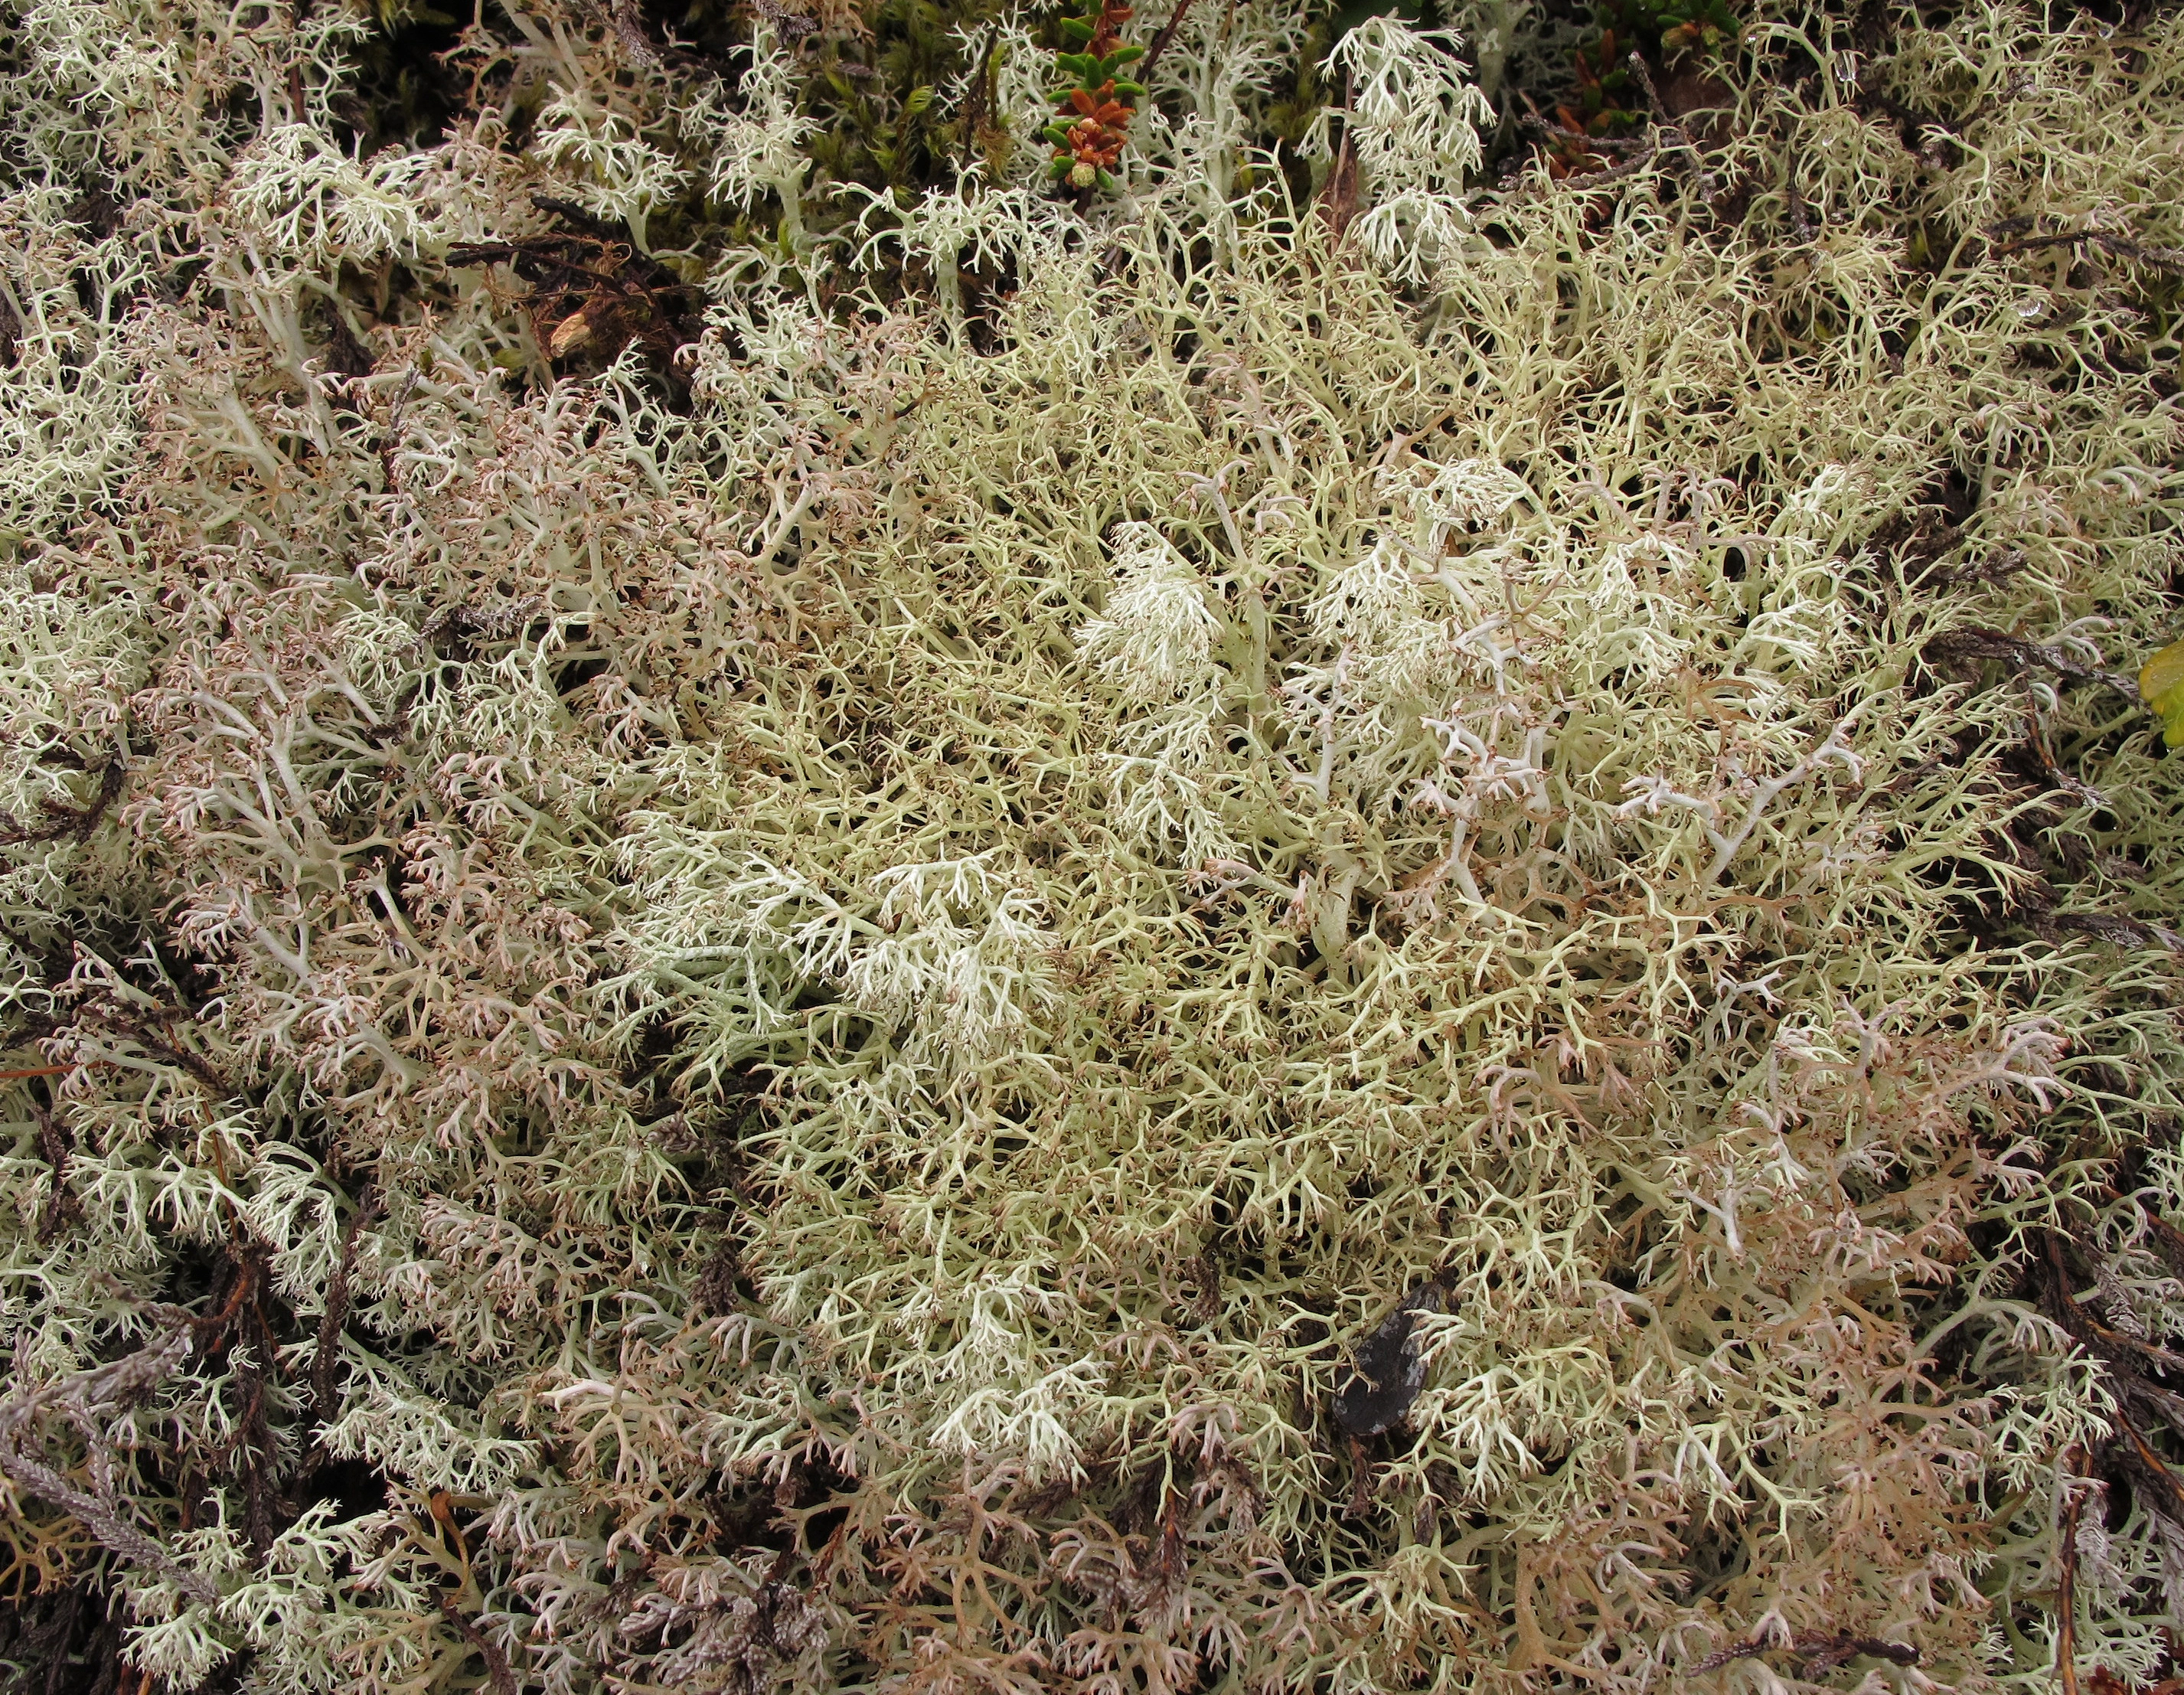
(1976, 643)
(181, 1058)
(1654, 102)
(337, 1313)
(2110, 927)
(2066, 1582)
(1819, 1653)
(56, 1145)
(103, 1519)
(1830, 1651)
(77, 1397)
(2170, 259)
(629, 30)
(2121, 1352)
(2148, 1473)
(1608, 145)
(1338, 195)
(2167, 1237)
(978, 96)
(69, 821)
(1159, 41)
(496, 1663)
(1338, 199)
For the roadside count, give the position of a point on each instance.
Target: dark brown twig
(1829, 1651)
(1643, 73)
(2121, 931)
(1976, 643)
(1613, 173)
(2167, 1237)
(2149, 1473)
(1338, 195)
(629, 30)
(2066, 1576)
(1817, 1651)
(55, 1143)
(182, 1058)
(1159, 41)
(69, 821)
(2170, 260)
(1338, 199)
(978, 97)
(1601, 144)
(337, 1313)
(496, 1663)
(79, 1397)
(1672, 137)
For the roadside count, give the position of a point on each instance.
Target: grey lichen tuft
(779, 910)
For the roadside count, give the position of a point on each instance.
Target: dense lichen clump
(1383, 907)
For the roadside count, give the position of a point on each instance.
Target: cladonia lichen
(754, 937)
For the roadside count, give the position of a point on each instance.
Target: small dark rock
(1387, 1373)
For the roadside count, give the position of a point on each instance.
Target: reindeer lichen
(779, 910)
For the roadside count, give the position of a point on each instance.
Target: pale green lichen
(810, 994)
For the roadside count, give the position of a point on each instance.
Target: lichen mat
(768, 953)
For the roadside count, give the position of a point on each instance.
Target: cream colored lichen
(894, 945)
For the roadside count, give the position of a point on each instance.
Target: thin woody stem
(2066, 1585)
